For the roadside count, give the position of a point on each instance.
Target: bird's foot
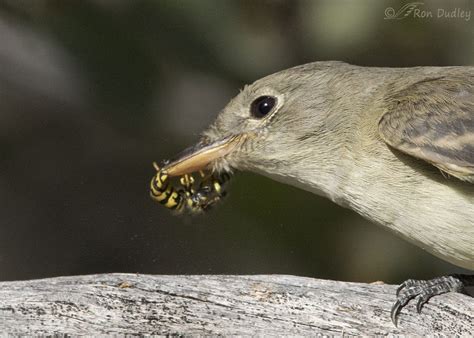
(423, 290)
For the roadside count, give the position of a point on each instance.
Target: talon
(419, 304)
(423, 291)
(396, 308)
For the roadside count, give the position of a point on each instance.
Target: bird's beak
(199, 156)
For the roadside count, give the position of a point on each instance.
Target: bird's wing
(434, 120)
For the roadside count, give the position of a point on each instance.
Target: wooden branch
(224, 305)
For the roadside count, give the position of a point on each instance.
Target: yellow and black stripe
(209, 191)
(162, 192)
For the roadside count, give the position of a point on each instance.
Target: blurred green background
(92, 92)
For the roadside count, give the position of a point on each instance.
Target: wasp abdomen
(163, 193)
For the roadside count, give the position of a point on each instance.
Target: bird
(396, 145)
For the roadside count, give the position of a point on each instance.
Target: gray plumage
(433, 120)
(367, 138)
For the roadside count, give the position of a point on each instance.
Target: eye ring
(262, 106)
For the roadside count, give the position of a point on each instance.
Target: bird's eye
(262, 106)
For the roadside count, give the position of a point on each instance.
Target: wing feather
(434, 120)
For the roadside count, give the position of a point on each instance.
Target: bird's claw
(422, 291)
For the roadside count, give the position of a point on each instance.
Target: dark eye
(262, 106)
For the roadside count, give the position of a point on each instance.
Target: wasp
(185, 193)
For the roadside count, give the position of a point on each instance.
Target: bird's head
(270, 126)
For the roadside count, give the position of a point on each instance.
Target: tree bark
(219, 304)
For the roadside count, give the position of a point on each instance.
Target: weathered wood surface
(227, 305)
